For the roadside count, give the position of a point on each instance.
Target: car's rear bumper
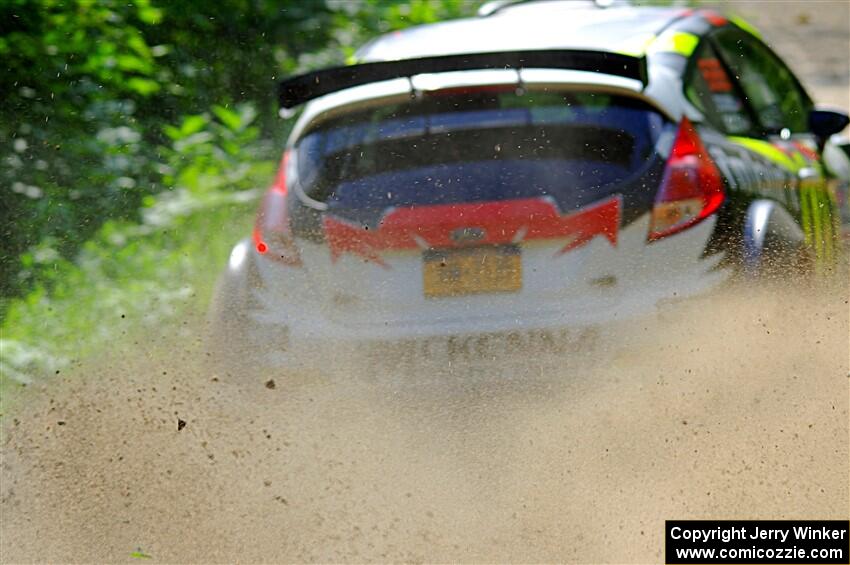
(293, 326)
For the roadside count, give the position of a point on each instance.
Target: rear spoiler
(303, 88)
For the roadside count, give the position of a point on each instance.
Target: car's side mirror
(826, 122)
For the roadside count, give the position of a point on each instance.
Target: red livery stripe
(501, 222)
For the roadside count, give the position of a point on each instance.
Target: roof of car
(666, 36)
(564, 24)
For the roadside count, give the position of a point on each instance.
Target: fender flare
(232, 295)
(230, 331)
(770, 233)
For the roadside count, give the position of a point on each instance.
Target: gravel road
(730, 406)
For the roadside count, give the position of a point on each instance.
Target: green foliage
(133, 139)
(141, 274)
(73, 148)
(92, 86)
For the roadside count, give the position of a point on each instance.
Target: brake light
(272, 233)
(691, 189)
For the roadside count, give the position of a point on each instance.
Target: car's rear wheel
(773, 245)
(231, 332)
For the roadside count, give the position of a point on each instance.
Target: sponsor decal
(715, 75)
(714, 18)
(769, 151)
(679, 42)
(488, 223)
(746, 26)
(481, 347)
(793, 168)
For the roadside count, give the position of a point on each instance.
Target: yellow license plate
(475, 270)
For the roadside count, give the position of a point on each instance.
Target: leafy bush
(90, 85)
(141, 274)
(133, 136)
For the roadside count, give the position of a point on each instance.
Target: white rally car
(545, 168)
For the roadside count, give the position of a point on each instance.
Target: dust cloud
(734, 405)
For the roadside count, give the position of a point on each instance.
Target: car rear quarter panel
(786, 173)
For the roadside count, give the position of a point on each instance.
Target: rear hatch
(468, 202)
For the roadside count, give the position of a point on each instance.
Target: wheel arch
(771, 236)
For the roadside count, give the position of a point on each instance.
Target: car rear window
(478, 146)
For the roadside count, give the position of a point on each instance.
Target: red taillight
(692, 187)
(272, 233)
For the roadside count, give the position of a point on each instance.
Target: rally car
(545, 166)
